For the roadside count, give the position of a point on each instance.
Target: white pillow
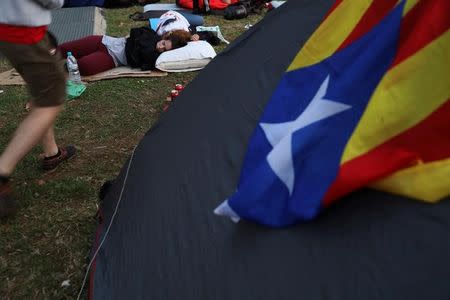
(192, 57)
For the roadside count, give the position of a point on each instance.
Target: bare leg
(36, 127)
(48, 143)
(48, 140)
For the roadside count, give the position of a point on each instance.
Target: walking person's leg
(29, 133)
(48, 143)
(46, 82)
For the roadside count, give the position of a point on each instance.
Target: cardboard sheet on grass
(11, 77)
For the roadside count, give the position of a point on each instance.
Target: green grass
(49, 240)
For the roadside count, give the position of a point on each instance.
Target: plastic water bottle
(72, 67)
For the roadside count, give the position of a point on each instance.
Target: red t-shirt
(22, 34)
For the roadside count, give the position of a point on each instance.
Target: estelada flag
(364, 103)
(157, 236)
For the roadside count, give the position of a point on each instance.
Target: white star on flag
(279, 135)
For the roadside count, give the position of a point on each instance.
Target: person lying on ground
(98, 53)
(173, 20)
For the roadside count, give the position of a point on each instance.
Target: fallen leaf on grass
(65, 283)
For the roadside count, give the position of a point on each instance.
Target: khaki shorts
(42, 71)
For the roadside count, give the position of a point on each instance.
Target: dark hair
(179, 38)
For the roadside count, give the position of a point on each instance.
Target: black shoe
(64, 154)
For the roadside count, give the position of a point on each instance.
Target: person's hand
(195, 37)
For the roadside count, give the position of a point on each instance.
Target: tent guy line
(109, 226)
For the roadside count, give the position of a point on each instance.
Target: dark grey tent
(164, 242)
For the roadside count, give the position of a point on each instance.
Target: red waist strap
(22, 34)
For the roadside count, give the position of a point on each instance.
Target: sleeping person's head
(173, 40)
